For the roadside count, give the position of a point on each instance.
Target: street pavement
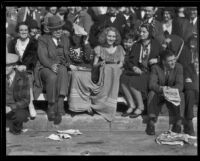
(125, 136)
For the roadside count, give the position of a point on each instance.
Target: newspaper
(172, 95)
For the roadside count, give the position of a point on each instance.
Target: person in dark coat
(166, 74)
(17, 95)
(26, 48)
(51, 69)
(193, 19)
(134, 81)
(26, 14)
(191, 91)
(111, 19)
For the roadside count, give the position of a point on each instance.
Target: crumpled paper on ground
(171, 138)
(64, 134)
(59, 137)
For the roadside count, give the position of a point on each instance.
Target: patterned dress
(102, 96)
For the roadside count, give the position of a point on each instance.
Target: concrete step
(86, 122)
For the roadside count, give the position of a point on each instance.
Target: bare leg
(138, 97)
(128, 98)
(32, 110)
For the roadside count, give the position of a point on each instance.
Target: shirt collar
(150, 20)
(11, 76)
(194, 20)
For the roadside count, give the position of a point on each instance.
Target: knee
(62, 69)
(52, 77)
(21, 115)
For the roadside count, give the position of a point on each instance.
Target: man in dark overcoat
(51, 69)
(17, 95)
(166, 74)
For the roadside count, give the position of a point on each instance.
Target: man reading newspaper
(166, 84)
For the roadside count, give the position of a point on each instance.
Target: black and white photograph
(99, 79)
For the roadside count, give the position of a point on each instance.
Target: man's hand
(54, 68)
(8, 109)
(137, 70)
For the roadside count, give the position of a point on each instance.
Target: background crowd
(91, 55)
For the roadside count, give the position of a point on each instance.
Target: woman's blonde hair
(103, 36)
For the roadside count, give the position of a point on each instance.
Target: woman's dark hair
(129, 35)
(170, 10)
(149, 28)
(20, 24)
(72, 41)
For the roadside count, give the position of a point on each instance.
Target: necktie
(167, 78)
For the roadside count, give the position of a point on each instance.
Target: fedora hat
(54, 22)
(11, 58)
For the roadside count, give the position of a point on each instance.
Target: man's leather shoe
(189, 128)
(51, 116)
(150, 130)
(58, 119)
(15, 132)
(176, 128)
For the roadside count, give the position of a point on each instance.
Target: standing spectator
(193, 18)
(51, 70)
(35, 31)
(26, 49)
(115, 19)
(11, 23)
(100, 95)
(167, 74)
(134, 81)
(17, 95)
(169, 23)
(150, 18)
(51, 11)
(25, 14)
(184, 26)
(189, 52)
(191, 91)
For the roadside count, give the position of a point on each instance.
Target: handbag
(95, 73)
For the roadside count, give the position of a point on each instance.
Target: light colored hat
(78, 30)
(54, 22)
(11, 58)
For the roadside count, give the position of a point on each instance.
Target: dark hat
(33, 24)
(171, 10)
(54, 22)
(175, 44)
(11, 58)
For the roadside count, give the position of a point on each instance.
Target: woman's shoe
(136, 114)
(90, 112)
(128, 112)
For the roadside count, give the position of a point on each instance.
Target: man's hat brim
(56, 27)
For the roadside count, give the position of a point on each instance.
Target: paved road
(93, 143)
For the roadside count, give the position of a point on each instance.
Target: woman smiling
(100, 96)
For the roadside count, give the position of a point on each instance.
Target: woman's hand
(21, 68)
(73, 67)
(137, 70)
(54, 68)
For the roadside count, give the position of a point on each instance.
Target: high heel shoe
(135, 115)
(128, 112)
